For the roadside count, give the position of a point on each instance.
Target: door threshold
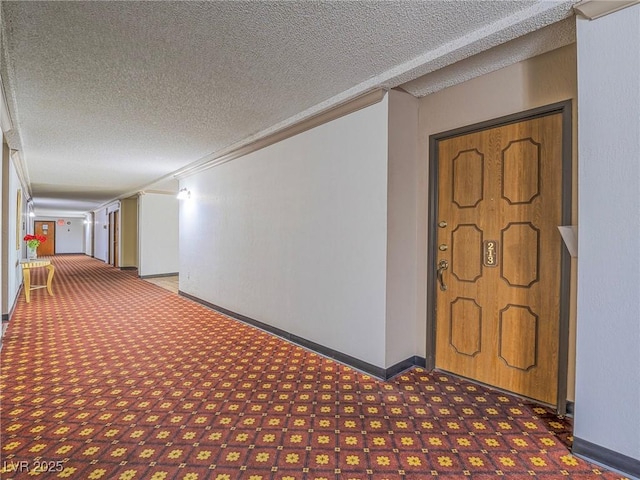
(555, 408)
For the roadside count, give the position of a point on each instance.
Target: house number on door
(490, 253)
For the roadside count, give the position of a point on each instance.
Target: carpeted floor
(116, 378)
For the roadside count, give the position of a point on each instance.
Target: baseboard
(160, 275)
(570, 408)
(378, 372)
(605, 457)
(7, 316)
(400, 367)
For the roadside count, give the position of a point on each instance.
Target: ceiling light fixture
(184, 194)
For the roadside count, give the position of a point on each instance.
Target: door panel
(499, 205)
(46, 229)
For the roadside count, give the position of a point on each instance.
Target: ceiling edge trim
(21, 171)
(521, 23)
(315, 120)
(541, 41)
(592, 9)
(156, 192)
(358, 103)
(6, 122)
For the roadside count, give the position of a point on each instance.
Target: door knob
(442, 266)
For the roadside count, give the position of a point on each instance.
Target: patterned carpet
(116, 378)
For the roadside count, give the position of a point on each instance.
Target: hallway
(116, 378)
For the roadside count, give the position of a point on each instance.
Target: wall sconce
(184, 194)
(31, 214)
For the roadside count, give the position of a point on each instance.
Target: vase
(32, 253)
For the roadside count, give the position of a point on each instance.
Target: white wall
(101, 235)
(294, 235)
(88, 234)
(4, 154)
(70, 236)
(402, 249)
(158, 234)
(608, 374)
(14, 251)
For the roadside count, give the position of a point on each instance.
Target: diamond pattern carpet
(116, 378)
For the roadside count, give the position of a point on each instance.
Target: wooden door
(46, 229)
(114, 236)
(499, 256)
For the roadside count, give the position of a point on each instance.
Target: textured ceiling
(108, 97)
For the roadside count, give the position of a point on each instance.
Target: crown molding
(592, 9)
(6, 122)
(22, 172)
(340, 110)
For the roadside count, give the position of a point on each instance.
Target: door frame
(92, 228)
(565, 109)
(109, 238)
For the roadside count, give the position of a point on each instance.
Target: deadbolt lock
(443, 247)
(442, 224)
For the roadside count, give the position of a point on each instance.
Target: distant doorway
(48, 230)
(114, 237)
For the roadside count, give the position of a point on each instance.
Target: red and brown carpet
(116, 378)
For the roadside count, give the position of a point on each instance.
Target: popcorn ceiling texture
(107, 97)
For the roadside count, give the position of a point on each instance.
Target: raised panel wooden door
(499, 249)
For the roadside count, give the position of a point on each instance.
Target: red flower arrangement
(34, 241)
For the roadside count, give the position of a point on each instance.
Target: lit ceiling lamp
(184, 194)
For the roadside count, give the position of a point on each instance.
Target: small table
(27, 265)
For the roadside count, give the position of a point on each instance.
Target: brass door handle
(442, 266)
